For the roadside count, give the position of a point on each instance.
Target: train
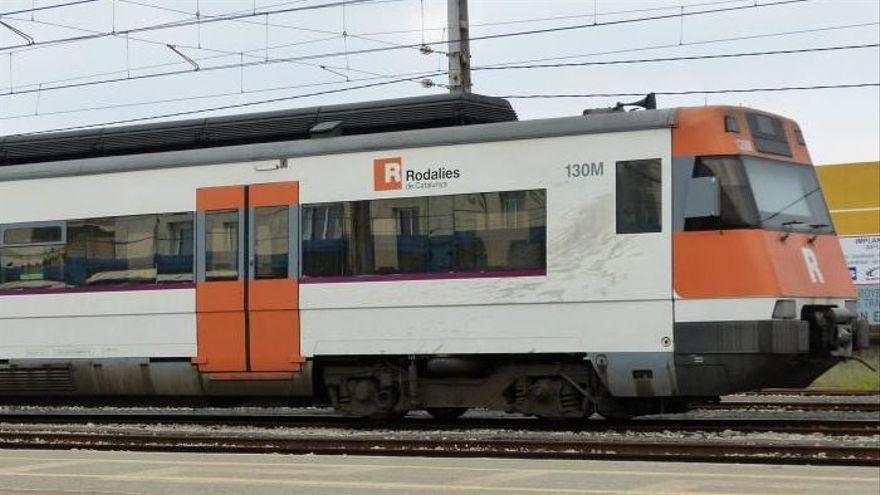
(429, 253)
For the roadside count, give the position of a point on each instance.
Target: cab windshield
(770, 194)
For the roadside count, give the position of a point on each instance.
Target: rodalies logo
(389, 175)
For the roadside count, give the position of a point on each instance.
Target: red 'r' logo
(388, 173)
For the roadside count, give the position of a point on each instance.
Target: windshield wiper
(784, 237)
(813, 228)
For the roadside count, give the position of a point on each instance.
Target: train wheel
(446, 413)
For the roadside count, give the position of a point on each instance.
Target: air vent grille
(42, 379)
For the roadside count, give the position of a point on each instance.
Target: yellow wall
(852, 191)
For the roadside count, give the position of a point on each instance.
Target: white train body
(550, 273)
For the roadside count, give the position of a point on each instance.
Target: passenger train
(430, 253)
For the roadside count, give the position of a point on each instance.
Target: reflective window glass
(222, 245)
(437, 234)
(174, 248)
(500, 231)
(32, 235)
(787, 195)
(136, 249)
(324, 246)
(768, 134)
(638, 196)
(111, 250)
(32, 267)
(271, 241)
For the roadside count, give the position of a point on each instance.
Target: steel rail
(808, 392)
(528, 449)
(792, 426)
(793, 406)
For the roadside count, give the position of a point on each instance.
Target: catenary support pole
(459, 47)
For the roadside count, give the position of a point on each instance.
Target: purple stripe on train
(96, 288)
(397, 277)
(401, 277)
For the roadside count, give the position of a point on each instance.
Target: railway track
(498, 448)
(483, 436)
(810, 392)
(793, 406)
(825, 427)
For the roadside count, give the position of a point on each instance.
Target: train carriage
(424, 253)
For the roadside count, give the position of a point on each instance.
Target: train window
(730, 124)
(500, 231)
(98, 251)
(32, 267)
(768, 134)
(271, 241)
(438, 234)
(221, 245)
(324, 247)
(400, 236)
(174, 248)
(33, 234)
(111, 250)
(737, 205)
(638, 196)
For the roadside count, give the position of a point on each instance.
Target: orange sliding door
(247, 292)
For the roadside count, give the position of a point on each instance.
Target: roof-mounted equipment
(649, 102)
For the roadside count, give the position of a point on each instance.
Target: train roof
(462, 125)
(371, 117)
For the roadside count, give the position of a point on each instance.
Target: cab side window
(638, 196)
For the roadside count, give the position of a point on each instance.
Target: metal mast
(459, 47)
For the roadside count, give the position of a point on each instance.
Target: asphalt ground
(124, 473)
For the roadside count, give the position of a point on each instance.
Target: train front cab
(763, 297)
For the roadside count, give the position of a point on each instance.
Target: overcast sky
(840, 125)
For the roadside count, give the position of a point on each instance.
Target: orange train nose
(741, 263)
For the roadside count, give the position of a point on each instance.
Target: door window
(221, 245)
(271, 241)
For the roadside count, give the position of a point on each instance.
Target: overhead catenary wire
(416, 45)
(192, 60)
(492, 67)
(697, 91)
(225, 54)
(690, 43)
(301, 58)
(396, 81)
(260, 61)
(532, 20)
(270, 24)
(46, 7)
(219, 54)
(678, 58)
(495, 67)
(184, 23)
(234, 105)
(181, 99)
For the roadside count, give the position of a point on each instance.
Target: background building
(853, 194)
